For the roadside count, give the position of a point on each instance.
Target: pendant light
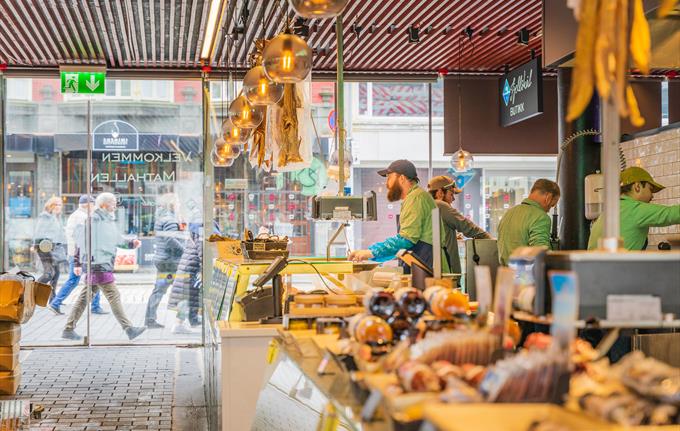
(287, 58)
(461, 161)
(234, 134)
(318, 8)
(258, 88)
(226, 149)
(219, 161)
(244, 114)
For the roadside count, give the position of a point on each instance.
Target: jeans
(164, 279)
(67, 288)
(112, 294)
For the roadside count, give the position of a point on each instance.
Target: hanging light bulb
(287, 59)
(219, 161)
(244, 114)
(318, 8)
(462, 161)
(235, 134)
(259, 89)
(226, 149)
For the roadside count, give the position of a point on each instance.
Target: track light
(211, 29)
(391, 29)
(414, 34)
(523, 37)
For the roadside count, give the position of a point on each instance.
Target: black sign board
(521, 93)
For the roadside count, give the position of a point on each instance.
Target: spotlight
(391, 29)
(501, 31)
(484, 30)
(301, 28)
(427, 29)
(523, 37)
(413, 34)
(357, 29)
(446, 29)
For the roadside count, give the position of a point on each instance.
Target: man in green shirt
(415, 218)
(528, 223)
(637, 213)
(443, 189)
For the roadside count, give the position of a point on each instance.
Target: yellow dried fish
(582, 77)
(259, 140)
(636, 118)
(621, 51)
(640, 39)
(666, 7)
(605, 60)
(289, 142)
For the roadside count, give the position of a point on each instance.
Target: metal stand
(277, 292)
(341, 230)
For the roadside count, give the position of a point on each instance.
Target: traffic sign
(83, 82)
(332, 121)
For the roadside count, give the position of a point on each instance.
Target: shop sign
(115, 135)
(83, 82)
(521, 93)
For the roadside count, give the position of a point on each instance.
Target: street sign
(80, 82)
(332, 121)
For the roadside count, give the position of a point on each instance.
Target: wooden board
(311, 313)
(506, 417)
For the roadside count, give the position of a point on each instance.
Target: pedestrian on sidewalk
(49, 241)
(105, 238)
(169, 246)
(75, 220)
(185, 295)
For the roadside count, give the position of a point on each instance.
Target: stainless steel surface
(487, 249)
(664, 347)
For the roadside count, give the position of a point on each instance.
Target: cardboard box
(10, 333)
(10, 381)
(9, 357)
(16, 298)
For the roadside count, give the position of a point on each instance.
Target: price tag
(329, 419)
(371, 405)
(629, 308)
(272, 351)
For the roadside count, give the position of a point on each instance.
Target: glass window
(20, 89)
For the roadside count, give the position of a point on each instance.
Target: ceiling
(168, 34)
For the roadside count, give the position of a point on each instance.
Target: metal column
(429, 130)
(610, 169)
(340, 107)
(2, 172)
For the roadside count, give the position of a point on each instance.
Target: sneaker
(99, 311)
(134, 331)
(55, 310)
(154, 325)
(181, 328)
(70, 334)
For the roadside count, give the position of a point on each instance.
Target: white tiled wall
(660, 155)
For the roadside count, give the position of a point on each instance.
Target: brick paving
(102, 388)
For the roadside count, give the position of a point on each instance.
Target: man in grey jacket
(105, 239)
(443, 189)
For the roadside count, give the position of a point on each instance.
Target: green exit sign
(83, 82)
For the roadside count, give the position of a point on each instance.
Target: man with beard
(415, 218)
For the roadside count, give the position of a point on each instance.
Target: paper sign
(565, 300)
(634, 308)
(483, 286)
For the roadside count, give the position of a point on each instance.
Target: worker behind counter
(637, 213)
(528, 223)
(415, 218)
(443, 189)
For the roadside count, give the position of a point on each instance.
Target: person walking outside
(50, 242)
(185, 293)
(76, 219)
(105, 239)
(169, 248)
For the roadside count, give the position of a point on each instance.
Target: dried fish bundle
(289, 139)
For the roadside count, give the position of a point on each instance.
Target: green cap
(637, 175)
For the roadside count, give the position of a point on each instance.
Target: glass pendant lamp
(226, 149)
(219, 161)
(462, 161)
(259, 89)
(234, 134)
(318, 8)
(244, 114)
(287, 59)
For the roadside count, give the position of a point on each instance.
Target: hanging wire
(460, 96)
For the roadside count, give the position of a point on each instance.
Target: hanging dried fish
(289, 142)
(666, 7)
(602, 55)
(259, 135)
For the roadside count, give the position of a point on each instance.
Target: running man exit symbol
(83, 82)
